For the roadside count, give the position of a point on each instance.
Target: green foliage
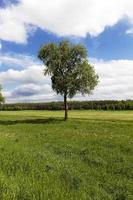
(89, 157)
(70, 71)
(2, 99)
(68, 67)
(73, 105)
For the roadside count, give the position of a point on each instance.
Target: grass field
(89, 157)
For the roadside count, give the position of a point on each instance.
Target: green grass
(89, 157)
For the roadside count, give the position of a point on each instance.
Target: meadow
(88, 157)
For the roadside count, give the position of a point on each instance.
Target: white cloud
(29, 84)
(129, 31)
(12, 28)
(116, 79)
(12, 60)
(63, 17)
(33, 74)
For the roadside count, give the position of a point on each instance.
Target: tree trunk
(65, 107)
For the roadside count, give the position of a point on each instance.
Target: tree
(2, 99)
(70, 71)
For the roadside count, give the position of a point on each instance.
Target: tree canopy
(69, 68)
(2, 99)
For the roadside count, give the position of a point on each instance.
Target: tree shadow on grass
(51, 120)
(32, 121)
(110, 120)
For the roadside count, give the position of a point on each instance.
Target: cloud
(12, 28)
(12, 60)
(62, 17)
(116, 79)
(30, 85)
(0, 46)
(31, 93)
(129, 31)
(33, 74)
(29, 90)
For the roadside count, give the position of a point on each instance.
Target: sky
(104, 27)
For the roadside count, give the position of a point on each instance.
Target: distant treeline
(73, 105)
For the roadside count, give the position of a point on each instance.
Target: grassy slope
(90, 157)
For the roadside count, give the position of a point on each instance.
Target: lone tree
(70, 71)
(2, 99)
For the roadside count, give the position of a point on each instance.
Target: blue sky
(112, 43)
(105, 28)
